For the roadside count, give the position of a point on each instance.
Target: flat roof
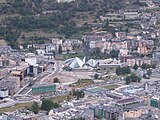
(16, 72)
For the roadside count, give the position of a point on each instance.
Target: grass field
(60, 99)
(16, 107)
(111, 87)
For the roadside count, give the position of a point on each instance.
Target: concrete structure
(20, 115)
(10, 83)
(3, 72)
(4, 93)
(133, 113)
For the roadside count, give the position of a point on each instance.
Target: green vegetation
(47, 105)
(123, 70)
(82, 83)
(114, 53)
(97, 54)
(60, 99)
(149, 72)
(147, 66)
(35, 107)
(56, 80)
(132, 78)
(66, 19)
(111, 87)
(16, 107)
(78, 94)
(135, 67)
(80, 54)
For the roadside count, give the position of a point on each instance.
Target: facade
(107, 112)
(20, 75)
(133, 113)
(3, 72)
(44, 88)
(11, 83)
(4, 93)
(155, 102)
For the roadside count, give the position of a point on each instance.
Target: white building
(4, 93)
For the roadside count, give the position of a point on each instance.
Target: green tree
(135, 67)
(96, 76)
(128, 80)
(48, 105)
(149, 72)
(35, 108)
(60, 49)
(118, 70)
(126, 70)
(145, 66)
(114, 53)
(133, 77)
(139, 79)
(79, 94)
(56, 80)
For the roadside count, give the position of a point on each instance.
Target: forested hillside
(67, 19)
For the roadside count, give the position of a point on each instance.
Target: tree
(144, 66)
(128, 80)
(60, 49)
(133, 77)
(126, 70)
(139, 79)
(82, 94)
(118, 70)
(48, 105)
(35, 108)
(114, 53)
(56, 80)
(149, 72)
(135, 67)
(96, 76)
(79, 94)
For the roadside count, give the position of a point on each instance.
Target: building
(20, 75)
(142, 49)
(12, 84)
(5, 49)
(88, 114)
(107, 112)
(131, 15)
(4, 61)
(133, 113)
(138, 61)
(43, 88)
(20, 115)
(3, 72)
(4, 93)
(155, 102)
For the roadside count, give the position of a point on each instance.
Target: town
(110, 73)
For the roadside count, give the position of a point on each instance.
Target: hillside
(47, 17)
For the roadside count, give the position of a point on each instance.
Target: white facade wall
(4, 93)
